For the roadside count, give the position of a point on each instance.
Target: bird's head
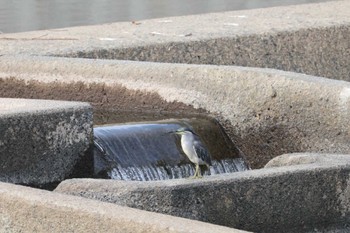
(184, 130)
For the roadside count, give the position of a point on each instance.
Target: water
(138, 144)
(148, 151)
(28, 15)
(150, 172)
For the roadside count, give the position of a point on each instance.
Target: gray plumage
(194, 149)
(202, 152)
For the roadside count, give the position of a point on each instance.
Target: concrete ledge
(25, 209)
(41, 141)
(286, 199)
(262, 110)
(310, 39)
(265, 112)
(306, 158)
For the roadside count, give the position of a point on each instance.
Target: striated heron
(194, 149)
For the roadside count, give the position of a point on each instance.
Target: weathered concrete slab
(306, 158)
(41, 140)
(266, 112)
(310, 39)
(25, 209)
(286, 199)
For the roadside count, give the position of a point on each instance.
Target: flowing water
(150, 172)
(150, 151)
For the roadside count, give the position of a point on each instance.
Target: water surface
(29, 15)
(151, 151)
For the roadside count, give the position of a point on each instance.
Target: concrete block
(298, 198)
(41, 140)
(265, 112)
(26, 209)
(308, 38)
(306, 158)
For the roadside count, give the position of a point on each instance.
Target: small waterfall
(174, 172)
(148, 151)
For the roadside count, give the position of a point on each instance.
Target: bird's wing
(202, 152)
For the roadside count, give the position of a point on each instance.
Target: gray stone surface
(287, 199)
(41, 141)
(266, 112)
(307, 158)
(25, 209)
(311, 39)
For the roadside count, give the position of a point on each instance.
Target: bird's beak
(175, 132)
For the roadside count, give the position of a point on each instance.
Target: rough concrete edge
(286, 38)
(316, 161)
(32, 210)
(15, 106)
(66, 142)
(200, 86)
(293, 159)
(128, 73)
(325, 161)
(332, 164)
(269, 20)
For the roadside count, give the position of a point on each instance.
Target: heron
(194, 149)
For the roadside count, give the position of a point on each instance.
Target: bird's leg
(197, 172)
(194, 175)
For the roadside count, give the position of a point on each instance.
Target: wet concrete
(112, 103)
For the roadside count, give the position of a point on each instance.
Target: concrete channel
(276, 79)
